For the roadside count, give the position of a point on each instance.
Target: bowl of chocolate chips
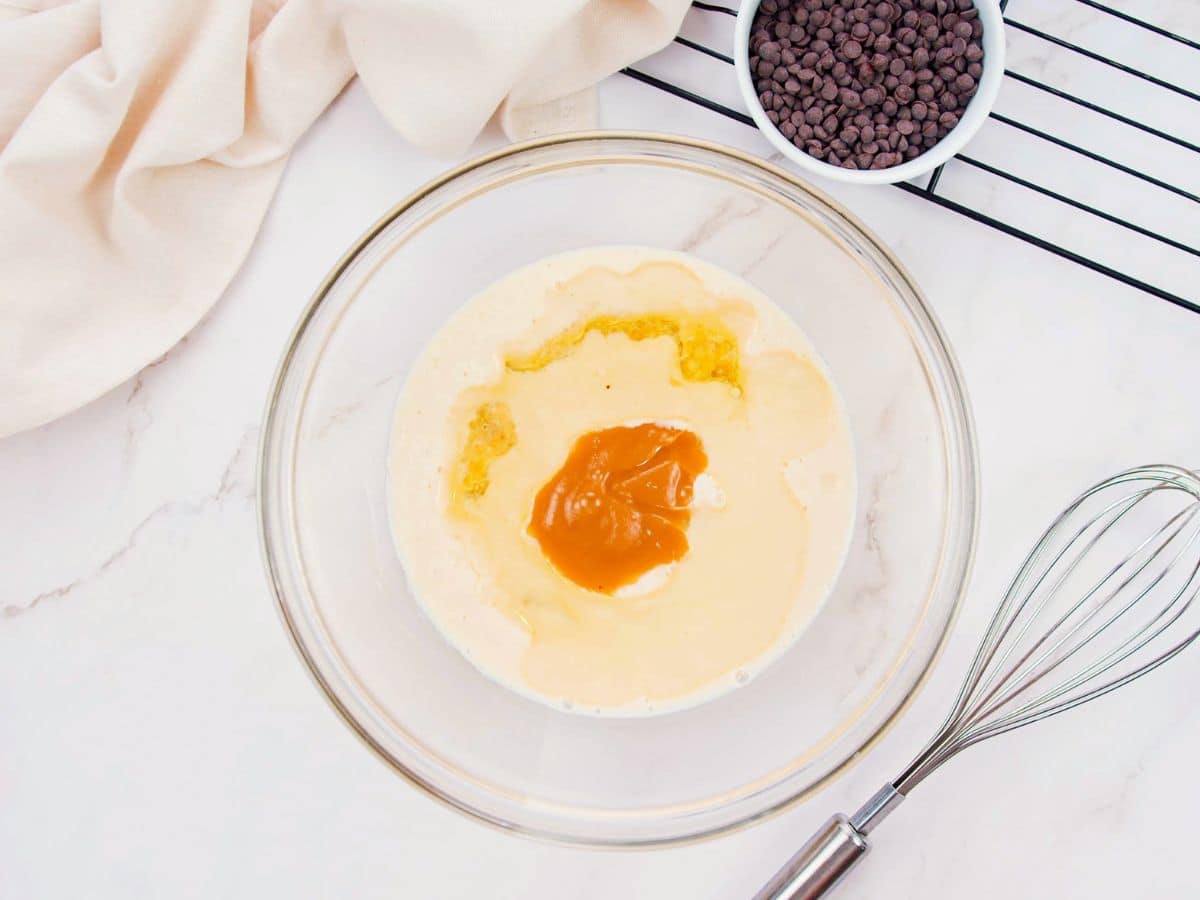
(869, 91)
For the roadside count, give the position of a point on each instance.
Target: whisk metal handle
(830, 853)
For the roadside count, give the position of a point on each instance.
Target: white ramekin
(972, 118)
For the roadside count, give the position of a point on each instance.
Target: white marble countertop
(159, 737)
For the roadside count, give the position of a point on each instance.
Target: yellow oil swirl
(707, 349)
(490, 434)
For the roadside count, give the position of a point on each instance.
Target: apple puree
(620, 505)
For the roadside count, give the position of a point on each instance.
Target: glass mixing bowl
(521, 765)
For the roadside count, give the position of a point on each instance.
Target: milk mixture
(621, 481)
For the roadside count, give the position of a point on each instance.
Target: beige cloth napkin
(141, 142)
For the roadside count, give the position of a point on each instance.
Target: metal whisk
(1105, 596)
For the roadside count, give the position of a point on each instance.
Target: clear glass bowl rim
(962, 473)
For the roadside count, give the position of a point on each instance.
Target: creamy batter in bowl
(596, 597)
(511, 759)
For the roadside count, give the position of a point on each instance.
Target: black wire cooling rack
(1107, 160)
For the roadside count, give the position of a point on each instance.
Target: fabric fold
(141, 142)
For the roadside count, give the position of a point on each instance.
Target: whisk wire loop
(1083, 616)
(1076, 610)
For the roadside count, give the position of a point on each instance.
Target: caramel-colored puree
(620, 504)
